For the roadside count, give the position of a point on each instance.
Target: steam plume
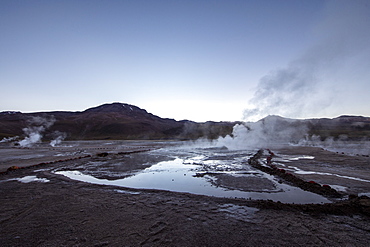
(35, 129)
(308, 84)
(8, 139)
(270, 131)
(58, 138)
(360, 147)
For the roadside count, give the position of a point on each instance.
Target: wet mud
(269, 168)
(54, 210)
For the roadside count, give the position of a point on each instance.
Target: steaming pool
(205, 171)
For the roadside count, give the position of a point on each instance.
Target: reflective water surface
(205, 171)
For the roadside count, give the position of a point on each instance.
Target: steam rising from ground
(309, 84)
(36, 128)
(58, 138)
(270, 131)
(9, 139)
(341, 145)
(276, 132)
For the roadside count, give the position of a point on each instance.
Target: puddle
(238, 212)
(303, 172)
(290, 158)
(127, 192)
(304, 157)
(178, 175)
(29, 179)
(339, 187)
(70, 153)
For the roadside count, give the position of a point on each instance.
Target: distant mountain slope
(351, 127)
(124, 121)
(343, 127)
(109, 121)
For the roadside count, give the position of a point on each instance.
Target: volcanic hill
(120, 121)
(110, 121)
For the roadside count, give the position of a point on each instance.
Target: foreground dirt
(63, 212)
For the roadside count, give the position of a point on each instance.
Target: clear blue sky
(197, 60)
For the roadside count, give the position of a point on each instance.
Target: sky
(197, 60)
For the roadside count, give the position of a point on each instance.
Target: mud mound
(311, 186)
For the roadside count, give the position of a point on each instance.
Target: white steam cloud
(35, 130)
(9, 139)
(58, 138)
(266, 133)
(275, 132)
(309, 84)
(341, 145)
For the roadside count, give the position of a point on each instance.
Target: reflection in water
(29, 179)
(178, 175)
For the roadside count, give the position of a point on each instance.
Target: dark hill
(123, 121)
(110, 121)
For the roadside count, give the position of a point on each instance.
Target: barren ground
(63, 212)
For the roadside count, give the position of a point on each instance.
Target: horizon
(271, 115)
(202, 61)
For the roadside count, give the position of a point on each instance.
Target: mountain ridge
(124, 121)
(112, 121)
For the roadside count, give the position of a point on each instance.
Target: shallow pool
(212, 172)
